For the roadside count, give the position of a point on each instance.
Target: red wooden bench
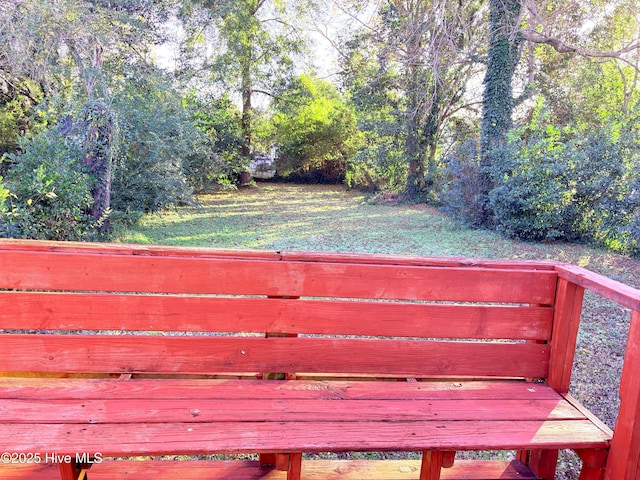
(112, 351)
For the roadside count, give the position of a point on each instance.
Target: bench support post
(295, 466)
(624, 456)
(566, 322)
(431, 465)
(72, 471)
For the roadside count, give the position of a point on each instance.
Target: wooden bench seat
(190, 417)
(122, 351)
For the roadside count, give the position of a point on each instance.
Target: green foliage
(16, 102)
(100, 132)
(158, 144)
(220, 120)
(380, 162)
(46, 196)
(462, 197)
(316, 130)
(497, 103)
(571, 184)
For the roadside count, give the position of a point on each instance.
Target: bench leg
(295, 466)
(541, 462)
(72, 471)
(431, 465)
(594, 462)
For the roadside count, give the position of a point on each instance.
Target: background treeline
(518, 115)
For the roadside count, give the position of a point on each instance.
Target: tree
(316, 130)
(564, 28)
(502, 60)
(430, 46)
(256, 39)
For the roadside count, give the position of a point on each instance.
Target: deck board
(249, 470)
(267, 416)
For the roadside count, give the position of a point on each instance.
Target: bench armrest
(624, 456)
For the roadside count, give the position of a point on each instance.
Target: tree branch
(562, 47)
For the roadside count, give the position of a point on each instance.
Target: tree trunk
(247, 91)
(505, 39)
(101, 125)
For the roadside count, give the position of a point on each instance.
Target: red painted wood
(158, 354)
(241, 437)
(101, 272)
(295, 466)
(448, 459)
(7, 244)
(565, 332)
(385, 259)
(431, 465)
(543, 463)
(618, 292)
(250, 470)
(334, 257)
(19, 310)
(149, 410)
(267, 459)
(624, 456)
(137, 388)
(69, 471)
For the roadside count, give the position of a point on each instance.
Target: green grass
(330, 218)
(294, 217)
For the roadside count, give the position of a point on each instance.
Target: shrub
(157, 141)
(462, 196)
(46, 195)
(569, 184)
(532, 198)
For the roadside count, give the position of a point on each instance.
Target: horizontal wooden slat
(250, 470)
(138, 388)
(266, 437)
(196, 355)
(19, 310)
(9, 244)
(95, 272)
(432, 261)
(151, 410)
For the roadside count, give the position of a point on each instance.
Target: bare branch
(562, 47)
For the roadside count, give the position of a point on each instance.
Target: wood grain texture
(138, 388)
(198, 355)
(566, 322)
(120, 273)
(249, 470)
(618, 292)
(64, 311)
(241, 437)
(624, 457)
(152, 410)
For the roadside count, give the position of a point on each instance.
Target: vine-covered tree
(567, 29)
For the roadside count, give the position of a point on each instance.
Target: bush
(157, 142)
(219, 119)
(46, 196)
(316, 131)
(462, 196)
(568, 184)
(533, 196)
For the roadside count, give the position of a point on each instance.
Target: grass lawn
(330, 218)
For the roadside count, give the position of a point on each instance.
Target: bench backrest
(125, 309)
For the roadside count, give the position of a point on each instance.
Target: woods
(517, 115)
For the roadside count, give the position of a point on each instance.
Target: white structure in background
(263, 164)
